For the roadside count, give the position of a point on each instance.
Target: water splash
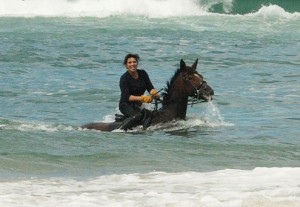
(273, 11)
(213, 114)
(210, 117)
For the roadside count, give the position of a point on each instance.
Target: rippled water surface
(58, 73)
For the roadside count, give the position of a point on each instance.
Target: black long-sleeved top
(137, 87)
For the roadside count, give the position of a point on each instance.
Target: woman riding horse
(133, 84)
(186, 83)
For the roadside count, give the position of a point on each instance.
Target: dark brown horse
(185, 83)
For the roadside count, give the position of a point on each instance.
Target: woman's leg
(134, 114)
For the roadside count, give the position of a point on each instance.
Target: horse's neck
(178, 104)
(174, 107)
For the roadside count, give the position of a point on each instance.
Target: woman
(133, 84)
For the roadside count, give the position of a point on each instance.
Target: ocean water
(60, 64)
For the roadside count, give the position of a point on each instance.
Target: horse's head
(194, 82)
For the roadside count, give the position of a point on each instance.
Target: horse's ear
(182, 64)
(194, 66)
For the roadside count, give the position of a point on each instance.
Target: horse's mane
(167, 88)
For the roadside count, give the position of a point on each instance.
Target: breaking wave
(148, 8)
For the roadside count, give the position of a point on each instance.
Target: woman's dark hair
(135, 56)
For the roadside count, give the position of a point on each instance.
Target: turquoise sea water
(60, 65)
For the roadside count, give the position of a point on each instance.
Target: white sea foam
(99, 8)
(261, 187)
(35, 126)
(106, 8)
(43, 127)
(273, 11)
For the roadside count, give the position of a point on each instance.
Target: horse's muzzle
(205, 92)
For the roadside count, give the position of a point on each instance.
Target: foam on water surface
(107, 8)
(260, 187)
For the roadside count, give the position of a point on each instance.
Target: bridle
(197, 92)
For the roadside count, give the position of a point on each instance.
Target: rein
(156, 100)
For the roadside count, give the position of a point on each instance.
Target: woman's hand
(146, 99)
(154, 94)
